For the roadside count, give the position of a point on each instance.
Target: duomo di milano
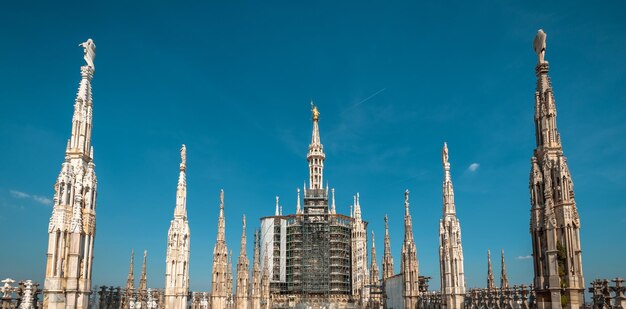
(316, 257)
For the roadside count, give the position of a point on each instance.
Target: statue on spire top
(183, 155)
(89, 48)
(316, 113)
(444, 153)
(540, 45)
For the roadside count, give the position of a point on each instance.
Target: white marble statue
(90, 52)
(540, 45)
(7, 288)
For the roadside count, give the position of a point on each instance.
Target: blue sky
(392, 80)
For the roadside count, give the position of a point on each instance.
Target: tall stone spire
(360, 273)
(387, 258)
(504, 279)
(177, 254)
(255, 294)
(130, 284)
(450, 249)
(410, 266)
(375, 298)
(143, 281)
(554, 221)
(130, 281)
(315, 155)
(265, 283)
(72, 227)
(243, 277)
(490, 278)
(220, 262)
(277, 212)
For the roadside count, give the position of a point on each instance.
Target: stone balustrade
(23, 296)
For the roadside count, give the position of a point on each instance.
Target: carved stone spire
(410, 266)
(504, 279)
(178, 249)
(490, 278)
(265, 283)
(387, 258)
(450, 249)
(374, 276)
(143, 281)
(130, 281)
(220, 263)
(315, 155)
(71, 231)
(360, 273)
(130, 284)
(277, 212)
(243, 277)
(255, 294)
(554, 223)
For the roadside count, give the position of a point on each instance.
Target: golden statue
(316, 113)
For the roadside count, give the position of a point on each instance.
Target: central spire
(448, 190)
(315, 155)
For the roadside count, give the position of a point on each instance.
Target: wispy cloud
(364, 100)
(473, 167)
(39, 199)
(524, 257)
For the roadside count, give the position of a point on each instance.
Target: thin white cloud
(19, 194)
(524, 257)
(473, 167)
(39, 199)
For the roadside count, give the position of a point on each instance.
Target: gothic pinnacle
(490, 277)
(504, 280)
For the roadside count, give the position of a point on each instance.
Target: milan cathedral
(316, 257)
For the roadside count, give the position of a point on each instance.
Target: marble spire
(504, 279)
(71, 231)
(315, 155)
(255, 289)
(375, 298)
(265, 283)
(128, 294)
(220, 262)
(554, 222)
(143, 281)
(387, 258)
(360, 273)
(177, 254)
(243, 277)
(451, 270)
(410, 266)
(130, 281)
(490, 278)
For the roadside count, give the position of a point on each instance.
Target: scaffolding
(318, 245)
